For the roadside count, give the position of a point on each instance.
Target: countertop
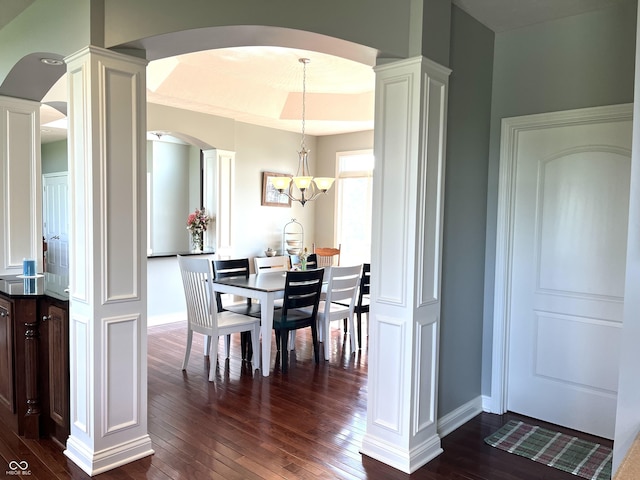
(47, 284)
(173, 254)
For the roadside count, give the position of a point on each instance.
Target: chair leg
(188, 350)
(207, 344)
(284, 351)
(359, 317)
(227, 346)
(345, 325)
(325, 325)
(213, 359)
(316, 346)
(245, 346)
(353, 336)
(277, 340)
(255, 345)
(292, 340)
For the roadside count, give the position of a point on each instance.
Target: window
(353, 207)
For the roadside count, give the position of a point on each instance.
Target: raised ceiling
(262, 85)
(504, 15)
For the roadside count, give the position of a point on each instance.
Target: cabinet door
(58, 365)
(6, 356)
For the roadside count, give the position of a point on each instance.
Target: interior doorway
(55, 222)
(561, 265)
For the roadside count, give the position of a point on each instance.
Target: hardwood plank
(305, 424)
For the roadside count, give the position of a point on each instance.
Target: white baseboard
(461, 415)
(487, 403)
(400, 459)
(95, 462)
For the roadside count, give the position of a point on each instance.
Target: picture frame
(270, 196)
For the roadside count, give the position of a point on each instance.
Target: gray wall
(328, 146)
(576, 62)
(465, 212)
(170, 196)
(54, 157)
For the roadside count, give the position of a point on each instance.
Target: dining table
(266, 288)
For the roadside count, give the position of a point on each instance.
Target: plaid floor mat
(570, 454)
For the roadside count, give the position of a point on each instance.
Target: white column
(409, 147)
(628, 411)
(219, 178)
(108, 263)
(20, 184)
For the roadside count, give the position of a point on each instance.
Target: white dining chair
(203, 316)
(271, 264)
(342, 287)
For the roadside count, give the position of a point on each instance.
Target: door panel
(569, 249)
(55, 219)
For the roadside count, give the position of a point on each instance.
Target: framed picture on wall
(270, 196)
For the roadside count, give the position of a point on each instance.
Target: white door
(55, 217)
(568, 266)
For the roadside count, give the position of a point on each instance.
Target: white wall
(257, 227)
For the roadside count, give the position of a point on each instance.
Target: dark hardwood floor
(305, 424)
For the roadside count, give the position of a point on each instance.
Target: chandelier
(302, 187)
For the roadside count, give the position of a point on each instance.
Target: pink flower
(197, 221)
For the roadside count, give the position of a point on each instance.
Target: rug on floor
(558, 450)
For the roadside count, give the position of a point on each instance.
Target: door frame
(510, 131)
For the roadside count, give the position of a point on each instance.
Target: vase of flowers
(303, 259)
(197, 224)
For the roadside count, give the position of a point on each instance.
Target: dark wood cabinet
(54, 376)
(34, 363)
(7, 400)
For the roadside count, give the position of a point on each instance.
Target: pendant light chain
(304, 62)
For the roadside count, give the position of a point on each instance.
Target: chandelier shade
(302, 187)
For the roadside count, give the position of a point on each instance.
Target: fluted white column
(108, 264)
(409, 147)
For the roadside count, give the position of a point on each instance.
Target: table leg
(266, 326)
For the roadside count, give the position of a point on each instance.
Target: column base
(94, 463)
(407, 461)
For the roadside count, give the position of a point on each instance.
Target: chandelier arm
(304, 177)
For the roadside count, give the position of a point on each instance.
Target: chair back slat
(365, 282)
(197, 277)
(343, 284)
(327, 256)
(271, 264)
(237, 267)
(302, 289)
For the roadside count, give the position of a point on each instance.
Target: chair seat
(294, 316)
(364, 307)
(231, 321)
(335, 308)
(242, 308)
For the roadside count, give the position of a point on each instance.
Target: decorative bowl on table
(270, 252)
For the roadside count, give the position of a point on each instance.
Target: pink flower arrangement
(197, 221)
